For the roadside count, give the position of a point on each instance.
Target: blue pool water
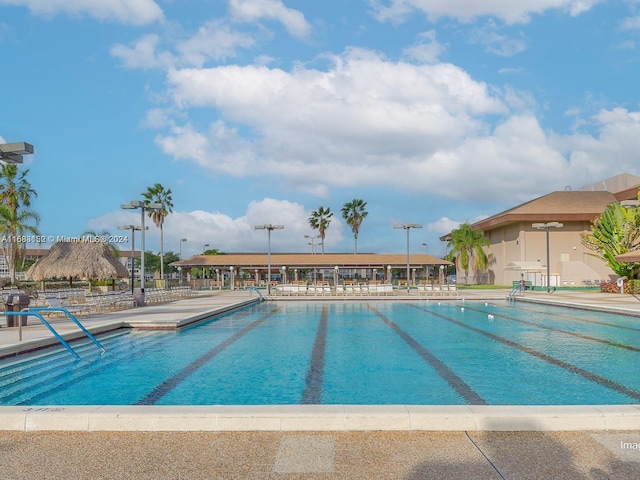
(448, 353)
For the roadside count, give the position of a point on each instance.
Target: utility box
(16, 302)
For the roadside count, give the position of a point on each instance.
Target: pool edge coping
(288, 418)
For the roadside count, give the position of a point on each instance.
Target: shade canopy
(85, 260)
(629, 257)
(526, 266)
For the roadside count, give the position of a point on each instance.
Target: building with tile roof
(516, 248)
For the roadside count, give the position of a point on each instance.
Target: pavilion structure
(235, 269)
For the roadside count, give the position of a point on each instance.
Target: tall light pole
(133, 229)
(204, 248)
(180, 257)
(268, 227)
(312, 243)
(426, 246)
(547, 226)
(132, 205)
(407, 227)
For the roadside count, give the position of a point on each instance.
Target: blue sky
(260, 111)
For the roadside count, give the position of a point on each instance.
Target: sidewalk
(162, 316)
(319, 456)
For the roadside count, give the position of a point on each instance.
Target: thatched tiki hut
(87, 260)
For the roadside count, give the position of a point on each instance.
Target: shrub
(612, 287)
(634, 286)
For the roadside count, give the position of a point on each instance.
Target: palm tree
(105, 236)
(320, 220)
(466, 245)
(13, 227)
(158, 194)
(614, 232)
(354, 213)
(15, 194)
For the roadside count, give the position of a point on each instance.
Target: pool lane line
(558, 330)
(594, 377)
(441, 368)
(313, 382)
(584, 320)
(170, 383)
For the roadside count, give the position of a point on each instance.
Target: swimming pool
(368, 353)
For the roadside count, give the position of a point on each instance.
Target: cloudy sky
(260, 111)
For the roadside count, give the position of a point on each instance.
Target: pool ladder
(35, 312)
(513, 293)
(258, 292)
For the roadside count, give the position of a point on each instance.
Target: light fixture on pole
(407, 227)
(312, 243)
(133, 229)
(204, 249)
(426, 245)
(181, 240)
(268, 227)
(13, 152)
(547, 226)
(132, 205)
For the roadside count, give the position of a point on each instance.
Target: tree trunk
(161, 254)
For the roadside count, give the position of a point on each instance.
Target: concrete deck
(322, 442)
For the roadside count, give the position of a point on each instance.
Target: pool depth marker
(313, 382)
(448, 375)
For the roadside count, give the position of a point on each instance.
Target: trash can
(16, 302)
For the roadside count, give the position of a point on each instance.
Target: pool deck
(323, 441)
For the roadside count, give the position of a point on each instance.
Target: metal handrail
(35, 311)
(257, 291)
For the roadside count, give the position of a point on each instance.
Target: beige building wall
(519, 242)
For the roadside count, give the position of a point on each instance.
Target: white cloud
(370, 122)
(134, 12)
(444, 225)
(158, 117)
(612, 149)
(226, 233)
(426, 50)
(214, 41)
(631, 23)
(367, 121)
(222, 150)
(515, 161)
(255, 10)
(498, 43)
(142, 54)
(509, 11)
